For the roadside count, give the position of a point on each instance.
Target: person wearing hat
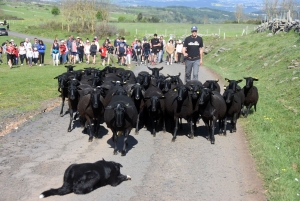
(193, 52)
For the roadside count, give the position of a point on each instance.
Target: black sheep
(251, 94)
(178, 105)
(155, 71)
(120, 116)
(90, 108)
(233, 103)
(212, 107)
(213, 85)
(154, 108)
(137, 93)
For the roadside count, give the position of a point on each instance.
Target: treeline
(179, 14)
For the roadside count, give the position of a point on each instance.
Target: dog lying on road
(86, 177)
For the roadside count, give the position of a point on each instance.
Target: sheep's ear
(226, 79)
(161, 68)
(179, 74)
(239, 81)
(255, 79)
(224, 88)
(162, 97)
(217, 80)
(174, 89)
(245, 78)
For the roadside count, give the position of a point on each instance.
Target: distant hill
(225, 5)
(180, 14)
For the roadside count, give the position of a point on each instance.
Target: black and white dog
(86, 177)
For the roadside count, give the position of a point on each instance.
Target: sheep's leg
(71, 119)
(126, 133)
(137, 124)
(115, 139)
(212, 136)
(224, 126)
(255, 107)
(96, 126)
(90, 124)
(62, 105)
(206, 122)
(180, 123)
(175, 129)
(192, 128)
(164, 124)
(153, 121)
(248, 109)
(234, 120)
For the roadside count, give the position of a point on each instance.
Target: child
(16, 55)
(29, 55)
(103, 53)
(128, 55)
(93, 51)
(139, 50)
(35, 56)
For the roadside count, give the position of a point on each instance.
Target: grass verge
(272, 131)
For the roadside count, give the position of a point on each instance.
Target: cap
(11, 40)
(194, 28)
(62, 41)
(77, 37)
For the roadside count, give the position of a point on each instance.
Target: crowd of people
(30, 53)
(76, 50)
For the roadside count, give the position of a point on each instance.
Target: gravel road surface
(33, 159)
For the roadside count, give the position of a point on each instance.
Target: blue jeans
(189, 66)
(160, 54)
(63, 56)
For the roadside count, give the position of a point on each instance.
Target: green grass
(272, 131)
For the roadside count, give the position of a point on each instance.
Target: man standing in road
(193, 51)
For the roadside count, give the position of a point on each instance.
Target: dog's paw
(128, 177)
(41, 196)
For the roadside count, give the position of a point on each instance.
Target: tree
(139, 17)
(270, 7)
(55, 11)
(99, 15)
(205, 19)
(289, 5)
(121, 19)
(239, 12)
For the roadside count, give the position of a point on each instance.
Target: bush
(104, 30)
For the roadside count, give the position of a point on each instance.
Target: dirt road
(34, 158)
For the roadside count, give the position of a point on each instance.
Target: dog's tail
(59, 191)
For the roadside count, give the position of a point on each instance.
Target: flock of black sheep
(158, 102)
